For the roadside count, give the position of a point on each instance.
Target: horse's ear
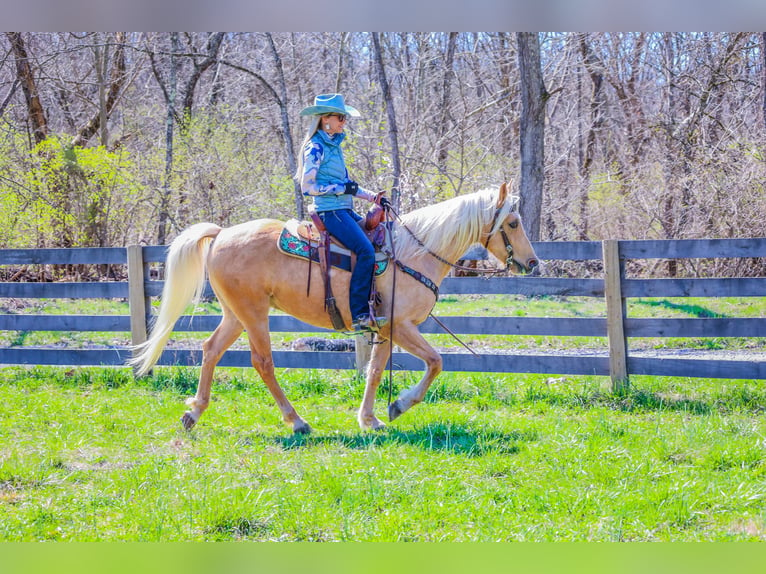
(502, 195)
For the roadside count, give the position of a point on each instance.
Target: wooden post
(615, 316)
(363, 350)
(139, 302)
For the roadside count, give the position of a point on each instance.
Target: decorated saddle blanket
(292, 241)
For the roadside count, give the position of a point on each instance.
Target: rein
(391, 334)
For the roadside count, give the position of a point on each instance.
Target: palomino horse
(249, 275)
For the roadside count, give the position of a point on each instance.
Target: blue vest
(332, 170)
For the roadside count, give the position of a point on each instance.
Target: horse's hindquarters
(250, 274)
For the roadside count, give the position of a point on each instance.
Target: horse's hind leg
(212, 350)
(260, 350)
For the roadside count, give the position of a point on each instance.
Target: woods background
(108, 139)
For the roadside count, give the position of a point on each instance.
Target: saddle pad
(290, 244)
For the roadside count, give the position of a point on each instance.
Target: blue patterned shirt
(325, 174)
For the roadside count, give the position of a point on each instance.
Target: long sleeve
(366, 194)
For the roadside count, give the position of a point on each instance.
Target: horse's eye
(514, 224)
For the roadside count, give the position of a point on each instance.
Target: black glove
(384, 203)
(351, 188)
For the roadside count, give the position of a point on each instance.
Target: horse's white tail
(184, 283)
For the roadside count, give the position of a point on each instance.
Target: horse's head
(506, 238)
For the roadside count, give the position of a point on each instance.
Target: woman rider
(323, 175)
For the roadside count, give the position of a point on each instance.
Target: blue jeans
(342, 224)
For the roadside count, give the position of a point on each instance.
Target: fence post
(137, 299)
(615, 316)
(363, 349)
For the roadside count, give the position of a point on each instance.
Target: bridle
(507, 242)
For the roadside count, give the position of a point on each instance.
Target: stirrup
(368, 324)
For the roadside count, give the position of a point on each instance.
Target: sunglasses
(341, 117)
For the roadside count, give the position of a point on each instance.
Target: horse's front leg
(409, 338)
(375, 369)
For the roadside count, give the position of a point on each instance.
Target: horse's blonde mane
(451, 224)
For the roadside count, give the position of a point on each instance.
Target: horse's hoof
(303, 429)
(374, 425)
(188, 421)
(394, 411)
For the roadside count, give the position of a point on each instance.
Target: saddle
(311, 240)
(370, 225)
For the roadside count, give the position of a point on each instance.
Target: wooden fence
(615, 287)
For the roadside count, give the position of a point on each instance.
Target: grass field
(91, 454)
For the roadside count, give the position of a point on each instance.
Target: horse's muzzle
(529, 267)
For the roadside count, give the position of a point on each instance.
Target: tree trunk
(339, 71)
(595, 120)
(626, 91)
(287, 137)
(532, 132)
(164, 215)
(393, 134)
(441, 159)
(9, 96)
(763, 73)
(29, 85)
(218, 89)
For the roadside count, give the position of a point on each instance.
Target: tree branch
(117, 80)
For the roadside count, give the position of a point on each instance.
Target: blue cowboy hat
(329, 104)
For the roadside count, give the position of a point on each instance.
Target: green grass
(91, 454)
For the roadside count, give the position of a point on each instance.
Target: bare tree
(106, 99)
(26, 77)
(687, 116)
(200, 64)
(200, 60)
(763, 76)
(9, 96)
(442, 127)
(594, 119)
(341, 50)
(532, 142)
(287, 137)
(647, 135)
(170, 116)
(393, 132)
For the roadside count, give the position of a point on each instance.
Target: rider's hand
(382, 200)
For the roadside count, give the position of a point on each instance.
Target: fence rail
(615, 287)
